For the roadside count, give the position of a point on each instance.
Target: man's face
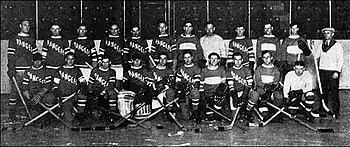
(25, 27)
(162, 28)
(105, 63)
(294, 30)
(267, 58)
(240, 31)
(70, 60)
(37, 63)
(214, 60)
(162, 60)
(136, 62)
(299, 70)
(188, 28)
(188, 59)
(328, 35)
(135, 32)
(209, 29)
(55, 30)
(82, 31)
(268, 29)
(237, 60)
(114, 30)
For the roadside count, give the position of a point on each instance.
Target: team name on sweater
(162, 44)
(24, 44)
(137, 47)
(68, 78)
(101, 80)
(136, 75)
(81, 48)
(36, 78)
(113, 45)
(239, 46)
(55, 47)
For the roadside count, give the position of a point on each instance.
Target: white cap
(328, 29)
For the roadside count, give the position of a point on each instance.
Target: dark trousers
(330, 87)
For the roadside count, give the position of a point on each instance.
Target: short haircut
(265, 52)
(37, 57)
(163, 53)
(187, 22)
(239, 26)
(106, 57)
(293, 23)
(187, 52)
(237, 54)
(299, 63)
(69, 54)
(136, 56)
(213, 54)
(209, 22)
(82, 24)
(162, 22)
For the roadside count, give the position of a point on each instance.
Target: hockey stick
(152, 60)
(120, 121)
(171, 115)
(223, 116)
(267, 121)
(20, 95)
(300, 121)
(55, 115)
(47, 110)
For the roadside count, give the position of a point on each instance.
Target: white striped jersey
(239, 77)
(211, 78)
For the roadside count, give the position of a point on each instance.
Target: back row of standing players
(121, 53)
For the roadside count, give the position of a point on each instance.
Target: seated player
(213, 88)
(297, 90)
(267, 78)
(68, 81)
(36, 84)
(240, 82)
(102, 85)
(188, 79)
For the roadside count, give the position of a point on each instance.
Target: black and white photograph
(175, 73)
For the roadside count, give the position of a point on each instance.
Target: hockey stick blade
(326, 130)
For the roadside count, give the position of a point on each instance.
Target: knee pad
(112, 93)
(49, 99)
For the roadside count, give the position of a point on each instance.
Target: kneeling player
(68, 81)
(240, 82)
(298, 86)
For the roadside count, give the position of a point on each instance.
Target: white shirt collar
(234, 67)
(183, 35)
(38, 67)
(242, 37)
(163, 35)
(103, 69)
(191, 65)
(113, 36)
(56, 37)
(294, 36)
(23, 34)
(82, 37)
(66, 66)
(213, 67)
(268, 66)
(161, 68)
(136, 67)
(269, 35)
(135, 37)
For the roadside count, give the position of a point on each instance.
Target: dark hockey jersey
(136, 78)
(20, 50)
(189, 73)
(35, 79)
(54, 50)
(239, 77)
(84, 49)
(114, 46)
(67, 79)
(163, 43)
(290, 50)
(101, 79)
(242, 45)
(158, 74)
(137, 45)
(266, 75)
(189, 43)
(269, 42)
(211, 78)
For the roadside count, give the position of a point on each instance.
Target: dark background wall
(98, 15)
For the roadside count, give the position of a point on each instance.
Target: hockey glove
(295, 94)
(303, 46)
(201, 63)
(35, 100)
(270, 87)
(57, 92)
(11, 73)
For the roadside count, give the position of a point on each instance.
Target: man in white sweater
(297, 90)
(331, 59)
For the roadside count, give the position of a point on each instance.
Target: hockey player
(271, 43)
(54, 49)
(243, 45)
(20, 50)
(36, 84)
(211, 42)
(85, 51)
(163, 43)
(137, 44)
(158, 73)
(293, 48)
(331, 59)
(240, 83)
(68, 81)
(113, 45)
(297, 89)
(267, 78)
(212, 77)
(188, 41)
(102, 84)
(188, 75)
